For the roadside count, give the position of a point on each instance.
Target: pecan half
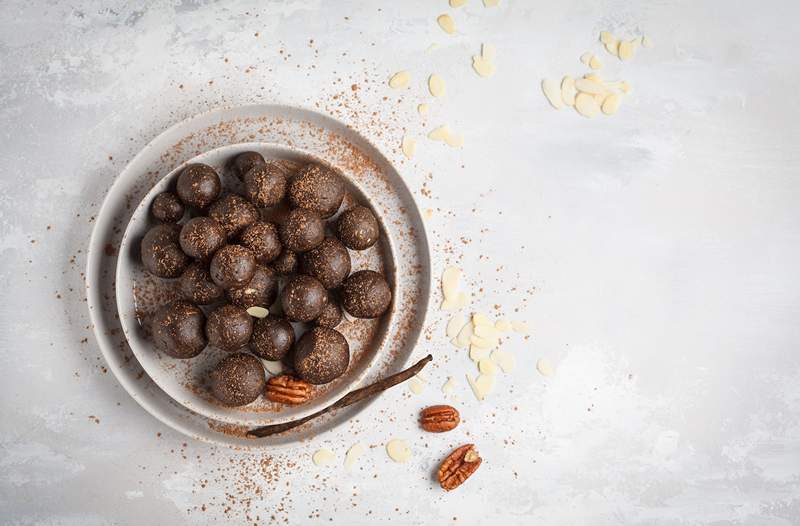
(288, 390)
(458, 467)
(439, 418)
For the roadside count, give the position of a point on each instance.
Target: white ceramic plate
(277, 130)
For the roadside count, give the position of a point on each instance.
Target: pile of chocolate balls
(228, 259)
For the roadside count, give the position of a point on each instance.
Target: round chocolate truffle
(285, 263)
(243, 162)
(167, 208)
(232, 266)
(161, 254)
(197, 286)
(238, 379)
(201, 237)
(321, 355)
(229, 328)
(198, 185)
(272, 338)
(265, 185)
(329, 262)
(357, 228)
(178, 329)
(366, 294)
(303, 298)
(317, 187)
(234, 213)
(260, 291)
(263, 240)
(331, 315)
(302, 230)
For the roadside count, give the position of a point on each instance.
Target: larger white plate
(271, 128)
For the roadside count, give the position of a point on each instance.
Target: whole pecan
(458, 467)
(288, 390)
(439, 418)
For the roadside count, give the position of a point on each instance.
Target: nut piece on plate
(285, 389)
(458, 467)
(439, 418)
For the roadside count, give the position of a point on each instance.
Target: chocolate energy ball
(265, 185)
(263, 240)
(302, 230)
(167, 208)
(178, 329)
(243, 162)
(234, 213)
(331, 315)
(272, 337)
(197, 286)
(161, 253)
(316, 187)
(238, 379)
(260, 291)
(366, 294)
(198, 185)
(321, 355)
(303, 298)
(285, 263)
(201, 237)
(232, 266)
(329, 262)
(229, 328)
(358, 228)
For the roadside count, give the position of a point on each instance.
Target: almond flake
(477, 354)
(587, 57)
(483, 67)
(625, 87)
(590, 86)
(416, 386)
(626, 49)
(544, 367)
(449, 386)
(606, 37)
(487, 366)
(520, 327)
(595, 63)
(427, 214)
(440, 134)
(612, 47)
(454, 140)
(505, 360)
(399, 79)
(481, 386)
(611, 104)
(483, 343)
(323, 457)
(454, 325)
(586, 105)
(553, 93)
(450, 278)
(258, 312)
(274, 368)
(457, 3)
(490, 3)
(488, 52)
(398, 450)
(568, 90)
(480, 319)
(446, 23)
(409, 146)
(352, 455)
(422, 109)
(502, 325)
(436, 85)
(464, 335)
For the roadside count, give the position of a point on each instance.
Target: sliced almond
(612, 47)
(487, 332)
(450, 278)
(488, 52)
(481, 386)
(504, 359)
(586, 57)
(568, 90)
(400, 79)
(480, 319)
(457, 3)
(590, 86)
(502, 325)
(611, 104)
(422, 109)
(353, 454)
(626, 49)
(520, 327)
(449, 386)
(625, 87)
(440, 134)
(595, 63)
(436, 85)
(490, 3)
(487, 366)
(552, 92)
(427, 214)
(257, 312)
(544, 367)
(323, 457)
(464, 335)
(606, 37)
(416, 386)
(455, 140)
(586, 105)
(483, 343)
(409, 146)
(483, 67)
(445, 21)
(398, 450)
(454, 325)
(476, 354)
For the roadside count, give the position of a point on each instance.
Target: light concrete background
(661, 246)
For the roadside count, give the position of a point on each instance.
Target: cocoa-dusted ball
(234, 213)
(260, 291)
(229, 328)
(243, 162)
(178, 329)
(329, 262)
(232, 266)
(272, 337)
(265, 184)
(167, 208)
(286, 262)
(303, 298)
(317, 187)
(198, 185)
(201, 237)
(238, 379)
(358, 228)
(302, 230)
(321, 355)
(331, 315)
(366, 294)
(197, 286)
(263, 240)
(161, 253)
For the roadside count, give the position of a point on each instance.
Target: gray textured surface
(663, 245)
